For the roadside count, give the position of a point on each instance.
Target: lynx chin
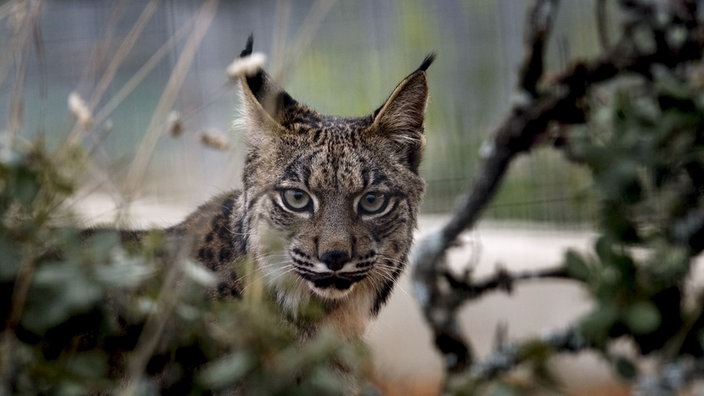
(328, 207)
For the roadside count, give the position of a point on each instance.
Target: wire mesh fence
(339, 57)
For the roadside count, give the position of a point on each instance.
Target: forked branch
(526, 119)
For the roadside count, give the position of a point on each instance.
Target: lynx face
(345, 210)
(333, 201)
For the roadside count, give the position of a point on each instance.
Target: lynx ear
(401, 117)
(265, 103)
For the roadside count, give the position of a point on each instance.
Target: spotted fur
(329, 204)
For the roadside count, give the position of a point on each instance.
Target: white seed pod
(215, 140)
(246, 66)
(79, 108)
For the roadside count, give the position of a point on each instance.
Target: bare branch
(508, 356)
(438, 306)
(538, 27)
(502, 280)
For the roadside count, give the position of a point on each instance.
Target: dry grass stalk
(109, 74)
(303, 38)
(139, 166)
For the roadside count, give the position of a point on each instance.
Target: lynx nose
(335, 259)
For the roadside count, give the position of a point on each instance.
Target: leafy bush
(98, 314)
(645, 151)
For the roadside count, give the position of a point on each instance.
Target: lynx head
(338, 196)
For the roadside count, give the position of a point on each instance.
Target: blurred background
(137, 64)
(341, 58)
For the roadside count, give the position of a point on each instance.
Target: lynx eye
(372, 203)
(296, 200)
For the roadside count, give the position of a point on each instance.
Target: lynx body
(329, 204)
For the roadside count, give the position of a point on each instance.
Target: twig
(168, 97)
(115, 100)
(502, 280)
(510, 355)
(304, 35)
(538, 27)
(27, 18)
(125, 47)
(602, 25)
(122, 51)
(174, 267)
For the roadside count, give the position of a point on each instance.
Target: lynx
(328, 206)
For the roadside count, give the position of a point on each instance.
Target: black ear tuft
(247, 51)
(427, 62)
(266, 105)
(256, 82)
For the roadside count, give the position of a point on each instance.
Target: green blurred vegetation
(642, 153)
(646, 153)
(102, 315)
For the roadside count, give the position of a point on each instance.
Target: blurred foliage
(645, 149)
(100, 315)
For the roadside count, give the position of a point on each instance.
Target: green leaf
(25, 185)
(668, 264)
(59, 290)
(102, 242)
(642, 317)
(625, 368)
(603, 249)
(617, 226)
(226, 371)
(596, 325)
(88, 365)
(124, 272)
(576, 265)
